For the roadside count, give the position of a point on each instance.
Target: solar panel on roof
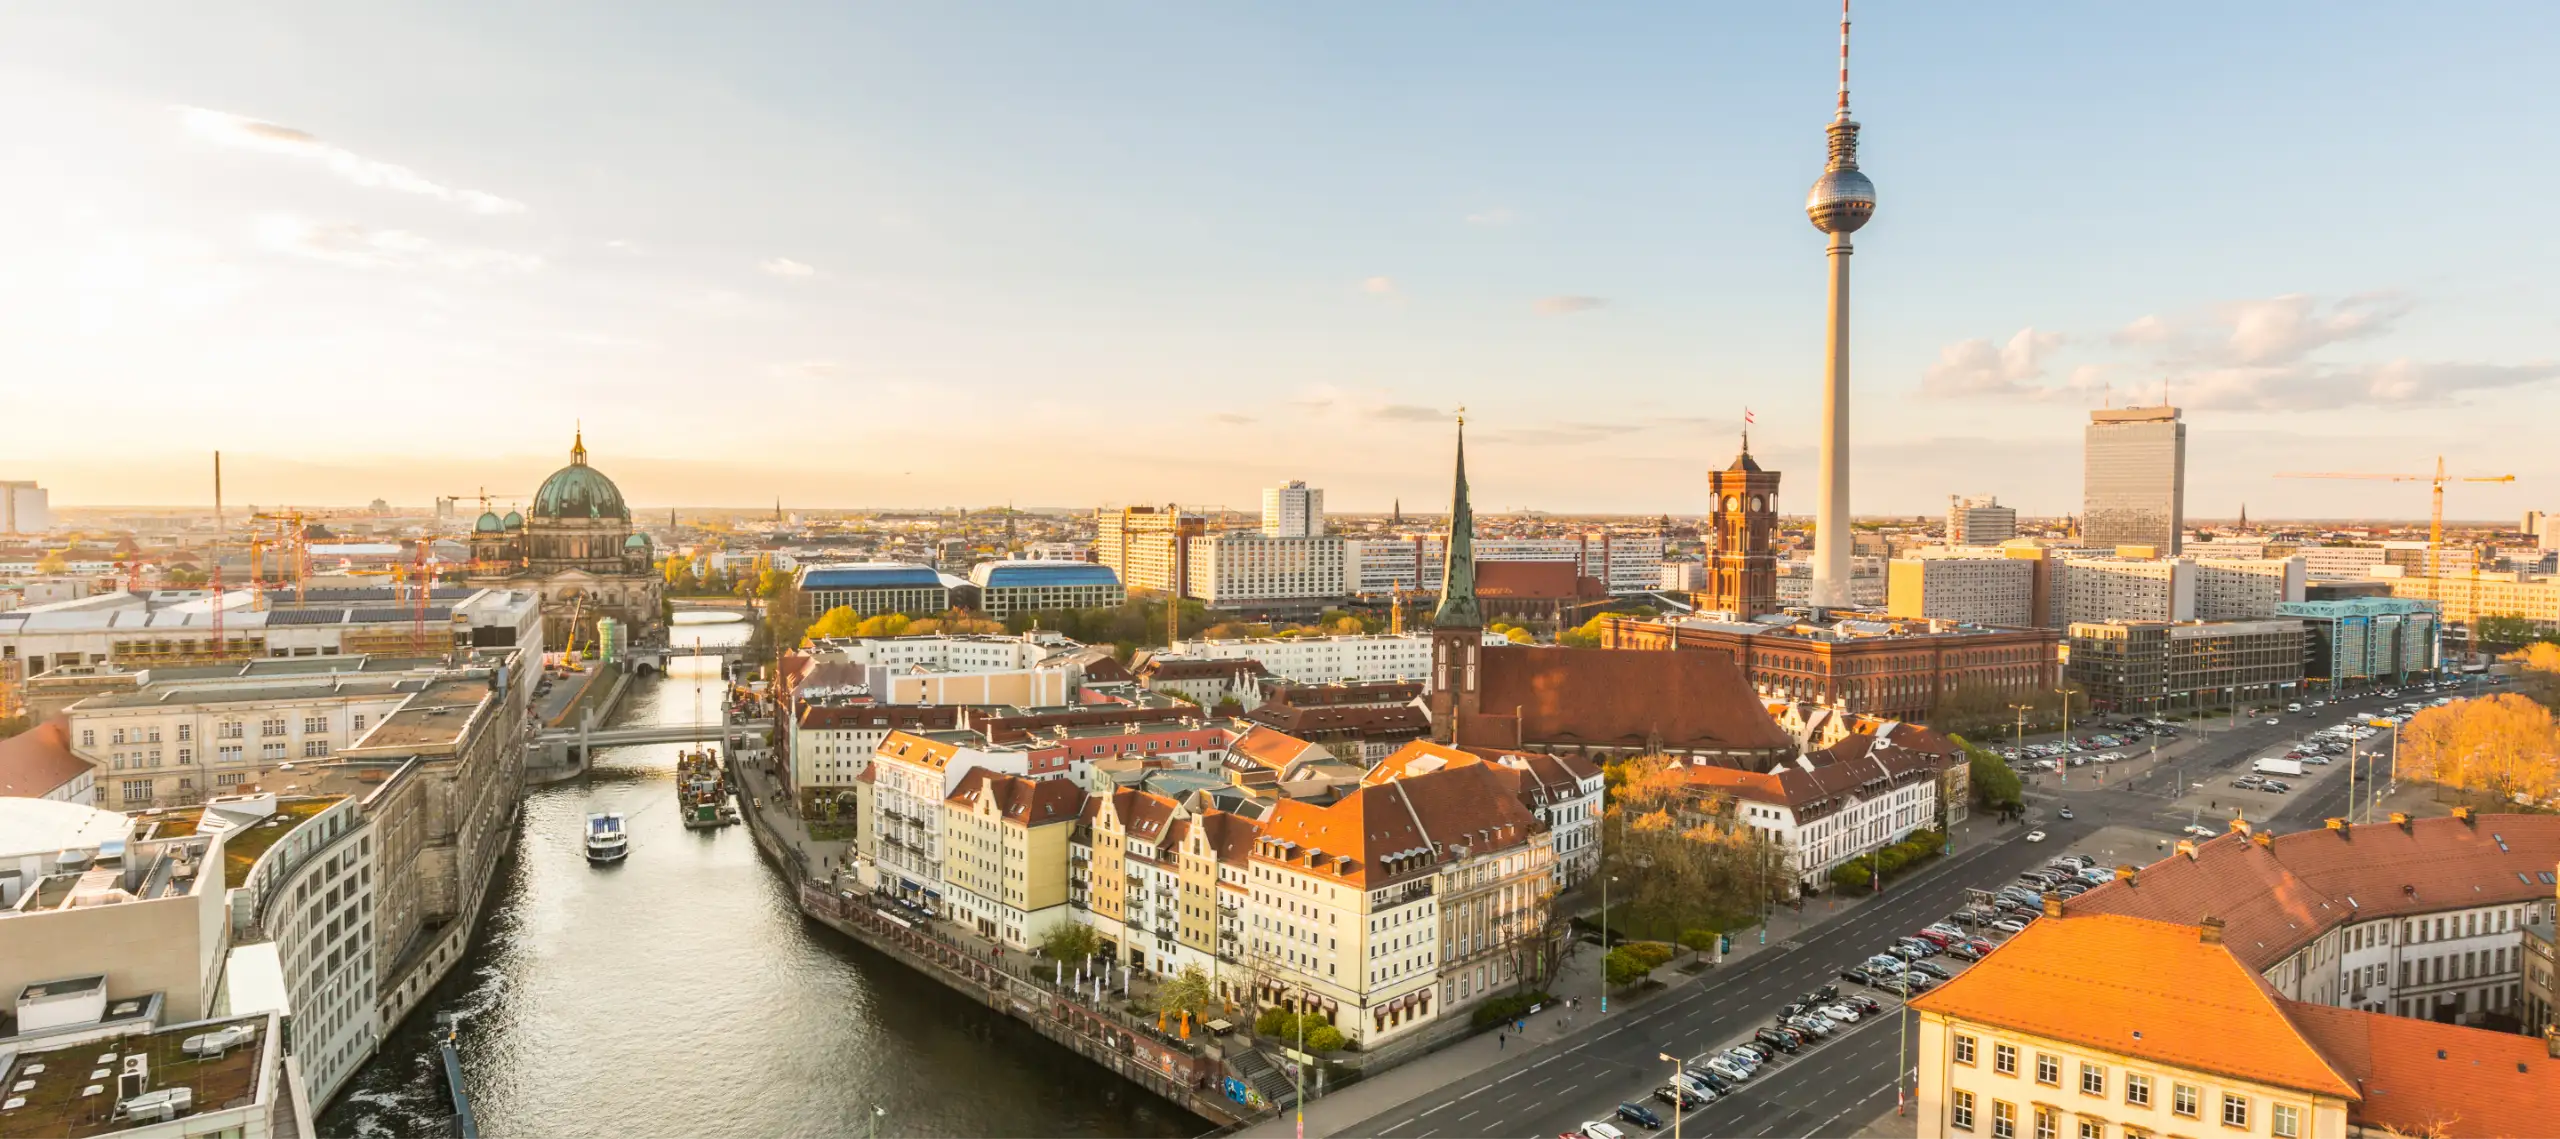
(376, 616)
(305, 616)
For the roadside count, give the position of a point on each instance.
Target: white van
(2291, 767)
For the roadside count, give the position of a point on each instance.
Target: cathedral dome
(579, 491)
(639, 542)
(488, 523)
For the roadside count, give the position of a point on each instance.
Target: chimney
(2239, 825)
(2340, 827)
(2464, 814)
(2266, 839)
(2129, 873)
(2052, 904)
(2209, 931)
(2187, 846)
(2400, 819)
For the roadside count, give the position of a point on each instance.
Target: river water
(680, 994)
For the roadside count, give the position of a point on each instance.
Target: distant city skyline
(912, 256)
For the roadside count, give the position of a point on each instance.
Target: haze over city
(909, 256)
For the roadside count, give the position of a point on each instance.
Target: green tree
(1325, 1038)
(1624, 967)
(771, 582)
(840, 621)
(1188, 991)
(1995, 783)
(2498, 632)
(1069, 943)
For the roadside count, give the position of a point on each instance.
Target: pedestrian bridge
(582, 737)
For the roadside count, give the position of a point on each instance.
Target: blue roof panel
(882, 575)
(1002, 575)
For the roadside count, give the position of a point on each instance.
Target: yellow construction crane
(2435, 526)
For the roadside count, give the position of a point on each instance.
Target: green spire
(1458, 608)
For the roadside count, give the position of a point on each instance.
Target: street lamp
(874, 1121)
(1679, 1094)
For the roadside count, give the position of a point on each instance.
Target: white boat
(606, 841)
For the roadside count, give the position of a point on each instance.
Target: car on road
(1599, 1130)
(1683, 1097)
(2275, 722)
(1842, 1013)
(2035, 836)
(1822, 995)
(2198, 832)
(2065, 814)
(1640, 1115)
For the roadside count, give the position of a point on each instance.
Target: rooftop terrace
(72, 1090)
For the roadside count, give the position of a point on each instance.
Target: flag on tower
(1746, 415)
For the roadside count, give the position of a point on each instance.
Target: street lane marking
(1435, 1109)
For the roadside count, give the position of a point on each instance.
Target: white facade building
(1626, 563)
(1240, 569)
(1980, 521)
(181, 743)
(1320, 660)
(1989, 588)
(911, 774)
(24, 508)
(2246, 589)
(1866, 582)
(1293, 511)
(2124, 589)
(2340, 563)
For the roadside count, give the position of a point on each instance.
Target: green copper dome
(489, 523)
(579, 491)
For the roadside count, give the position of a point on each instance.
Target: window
(186, 732)
(2093, 1079)
(2004, 1059)
(186, 755)
(315, 723)
(1964, 1049)
(137, 790)
(116, 737)
(1960, 1110)
(2137, 1090)
(2046, 1123)
(357, 724)
(2285, 1121)
(2093, 1129)
(229, 779)
(274, 727)
(228, 731)
(2235, 1111)
(2183, 1099)
(2048, 1069)
(2004, 1120)
(88, 737)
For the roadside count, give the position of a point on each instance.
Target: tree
(1995, 783)
(883, 625)
(2504, 746)
(840, 621)
(2498, 632)
(2538, 672)
(1681, 858)
(1188, 992)
(771, 582)
(53, 562)
(1623, 967)
(1326, 1038)
(1539, 942)
(1070, 942)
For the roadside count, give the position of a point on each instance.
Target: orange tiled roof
(2424, 1078)
(1618, 698)
(2142, 988)
(1426, 816)
(1025, 802)
(1272, 749)
(915, 749)
(2273, 899)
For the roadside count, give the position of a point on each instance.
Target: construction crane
(2435, 532)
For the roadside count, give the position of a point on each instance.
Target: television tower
(1841, 201)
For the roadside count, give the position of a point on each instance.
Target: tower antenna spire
(1844, 59)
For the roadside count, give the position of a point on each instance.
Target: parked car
(1753, 1053)
(1819, 1027)
(1842, 1013)
(1863, 1003)
(1933, 969)
(1729, 1070)
(1787, 1039)
(1897, 986)
(2072, 889)
(2010, 925)
(1914, 950)
(1964, 951)
(1859, 974)
(1640, 1115)
(1682, 1097)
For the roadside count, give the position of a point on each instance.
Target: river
(681, 994)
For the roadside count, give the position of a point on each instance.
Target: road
(1839, 1085)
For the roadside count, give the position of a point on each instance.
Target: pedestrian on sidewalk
(1499, 1041)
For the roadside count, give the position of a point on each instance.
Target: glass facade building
(2134, 487)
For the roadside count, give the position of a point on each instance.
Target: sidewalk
(1474, 1055)
(818, 858)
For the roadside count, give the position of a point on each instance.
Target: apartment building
(1625, 563)
(1868, 791)
(2339, 563)
(2134, 487)
(1992, 589)
(1238, 570)
(1211, 684)
(1004, 854)
(912, 774)
(2152, 667)
(1354, 659)
(185, 740)
(174, 628)
(1293, 511)
(2124, 589)
(1561, 791)
(1979, 520)
(2246, 589)
(2472, 594)
(1387, 907)
(307, 902)
(1031, 669)
(832, 744)
(2119, 1014)
(1147, 546)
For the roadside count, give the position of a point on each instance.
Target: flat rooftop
(434, 718)
(192, 696)
(72, 1089)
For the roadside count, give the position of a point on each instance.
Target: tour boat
(606, 841)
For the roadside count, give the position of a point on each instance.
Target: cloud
(225, 129)
(786, 267)
(1568, 305)
(1497, 216)
(1230, 418)
(1379, 286)
(2304, 386)
(349, 244)
(1974, 367)
(808, 369)
(2283, 329)
(1407, 413)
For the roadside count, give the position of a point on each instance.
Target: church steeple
(578, 448)
(1458, 606)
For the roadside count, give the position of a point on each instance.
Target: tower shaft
(1832, 541)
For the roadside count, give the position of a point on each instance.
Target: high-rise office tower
(1293, 511)
(24, 508)
(2134, 489)
(1979, 521)
(1841, 201)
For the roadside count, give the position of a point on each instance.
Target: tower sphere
(1841, 201)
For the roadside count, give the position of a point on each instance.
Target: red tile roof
(1536, 696)
(1273, 750)
(2419, 1077)
(1025, 802)
(1397, 720)
(1533, 581)
(37, 761)
(2148, 989)
(2276, 898)
(1419, 822)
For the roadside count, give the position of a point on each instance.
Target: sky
(1067, 255)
